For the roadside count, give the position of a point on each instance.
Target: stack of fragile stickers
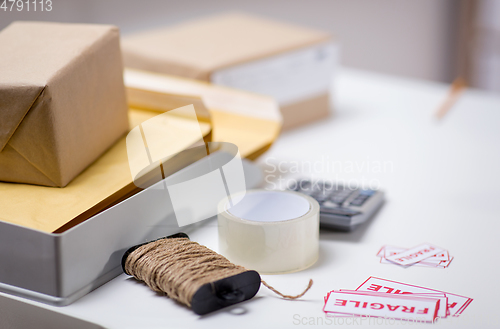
(425, 255)
(394, 300)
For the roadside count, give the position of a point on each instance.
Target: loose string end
(288, 296)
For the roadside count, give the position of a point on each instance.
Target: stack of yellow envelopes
(250, 121)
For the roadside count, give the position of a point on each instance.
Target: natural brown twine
(288, 296)
(179, 267)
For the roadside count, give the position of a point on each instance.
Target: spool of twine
(178, 267)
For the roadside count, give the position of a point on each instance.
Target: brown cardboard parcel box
(291, 63)
(62, 99)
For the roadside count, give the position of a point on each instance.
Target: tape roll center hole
(270, 207)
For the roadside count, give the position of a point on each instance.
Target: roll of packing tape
(272, 232)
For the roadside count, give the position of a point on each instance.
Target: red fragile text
(379, 306)
(389, 290)
(416, 254)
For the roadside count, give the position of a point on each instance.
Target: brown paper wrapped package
(62, 99)
(198, 48)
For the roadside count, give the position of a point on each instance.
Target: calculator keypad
(332, 198)
(341, 207)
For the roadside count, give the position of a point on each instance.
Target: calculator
(341, 207)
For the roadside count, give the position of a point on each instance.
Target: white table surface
(442, 186)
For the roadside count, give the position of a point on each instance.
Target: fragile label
(415, 254)
(382, 305)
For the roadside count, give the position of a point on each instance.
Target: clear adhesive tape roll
(272, 232)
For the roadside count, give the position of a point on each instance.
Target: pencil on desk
(456, 89)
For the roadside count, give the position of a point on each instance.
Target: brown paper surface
(102, 184)
(197, 48)
(306, 111)
(62, 99)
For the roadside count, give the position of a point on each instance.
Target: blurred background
(437, 40)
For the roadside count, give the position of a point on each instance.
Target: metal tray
(59, 268)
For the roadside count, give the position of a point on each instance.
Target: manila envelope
(250, 121)
(104, 183)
